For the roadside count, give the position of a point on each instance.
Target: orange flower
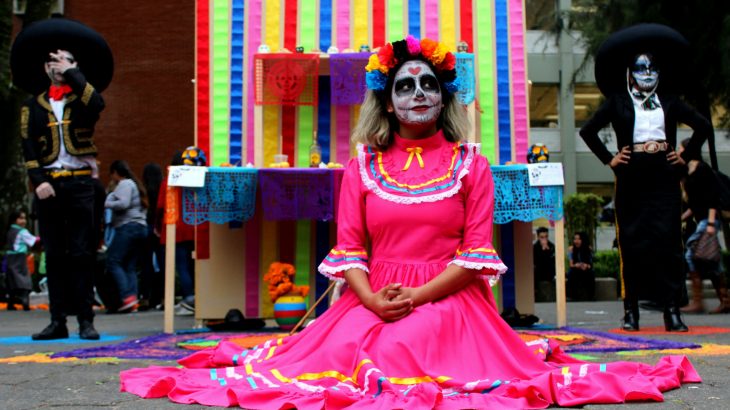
(428, 46)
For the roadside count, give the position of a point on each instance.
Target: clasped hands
(623, 156)
(392, 302)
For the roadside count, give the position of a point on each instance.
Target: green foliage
(705, 25)
(581, 214)
(607, 264)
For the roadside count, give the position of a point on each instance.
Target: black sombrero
(617, 52)
(32, 45)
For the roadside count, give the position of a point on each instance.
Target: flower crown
(399, 51)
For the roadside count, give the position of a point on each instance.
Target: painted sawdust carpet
(179, 345)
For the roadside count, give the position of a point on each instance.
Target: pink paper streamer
(342, 21)
(431, 17)
(519, 77)
(253, 248)
(342, 119)
(254, 40)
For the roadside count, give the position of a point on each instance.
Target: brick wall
(150, 102)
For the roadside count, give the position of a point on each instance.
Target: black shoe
(673, 320)
(631, 320)
(25, 301)
(56, 330)
(87, 331)
(11, 304)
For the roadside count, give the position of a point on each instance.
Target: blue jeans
(689, 254)
(122, 256)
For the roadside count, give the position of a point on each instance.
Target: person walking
(703, 203)
(65, 65)
(128, 203)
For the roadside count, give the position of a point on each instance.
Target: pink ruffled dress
(420, 206)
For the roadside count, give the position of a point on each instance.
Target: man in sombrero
(64, 64)
(639, 70)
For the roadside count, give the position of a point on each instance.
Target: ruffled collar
(383, 173)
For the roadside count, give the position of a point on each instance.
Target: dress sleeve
(351, 231)
(476, 250)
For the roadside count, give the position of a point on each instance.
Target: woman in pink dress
(417, 327)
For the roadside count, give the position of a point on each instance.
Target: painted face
(645, 73)
(54, 75)
(416, 95)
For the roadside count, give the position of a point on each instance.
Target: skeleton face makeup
(645, 73)
(416, 94)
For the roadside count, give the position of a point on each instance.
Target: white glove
(45, 190)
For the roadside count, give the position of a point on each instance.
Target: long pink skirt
(452, 354)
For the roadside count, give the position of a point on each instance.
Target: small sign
(187, 176)
(547, 173)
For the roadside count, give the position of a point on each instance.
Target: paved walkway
(85, 385)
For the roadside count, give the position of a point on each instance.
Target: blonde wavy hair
(376, 125)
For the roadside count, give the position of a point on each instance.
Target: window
(19, 6)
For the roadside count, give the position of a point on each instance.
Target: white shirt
(648, 124)
(66, 160)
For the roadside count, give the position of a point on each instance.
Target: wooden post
(560, 272)
(172, 213)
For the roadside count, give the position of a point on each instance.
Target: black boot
(56, 330)
(25, 300)
(631, 315)
(87, 331)
(673, 320)
(631, 320)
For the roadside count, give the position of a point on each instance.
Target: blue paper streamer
(414, 18)
(236, 99)
(324, 118)
(503, 87)
(325, 25)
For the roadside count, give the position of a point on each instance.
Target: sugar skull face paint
(416, 94)
(645, 73)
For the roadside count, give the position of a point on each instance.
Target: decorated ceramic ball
(538, 153)
(194, 156)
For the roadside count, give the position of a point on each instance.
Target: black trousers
(649, 229)
(67, 225)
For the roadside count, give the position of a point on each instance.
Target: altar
(248, 205)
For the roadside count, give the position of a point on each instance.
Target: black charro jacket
(39, 127)
(619, 111)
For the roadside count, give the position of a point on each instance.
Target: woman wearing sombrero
(639, 70)
(418, 327)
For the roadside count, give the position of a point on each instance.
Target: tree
(705, 24)
(13, 194)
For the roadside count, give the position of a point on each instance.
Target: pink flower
(414, 46)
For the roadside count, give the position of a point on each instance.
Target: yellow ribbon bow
(414, 152)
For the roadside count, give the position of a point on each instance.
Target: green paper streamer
(485, 64)
(220, 81)
(308, 29)
(395, 20)
(305, 128)
(303, 262)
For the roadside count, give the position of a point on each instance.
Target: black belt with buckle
(651, 147)
(66, 173)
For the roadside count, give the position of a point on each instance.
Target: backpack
(723, 192)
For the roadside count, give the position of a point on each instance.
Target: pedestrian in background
(19, 242)
(129, 204)
(703, 203)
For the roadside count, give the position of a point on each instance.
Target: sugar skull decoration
(462, 47)
(263, 48)
(194, 156)
(299, 49)
(333, 50)
(364, 48)
(538, 153)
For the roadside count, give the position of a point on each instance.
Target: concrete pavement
(95, 385)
